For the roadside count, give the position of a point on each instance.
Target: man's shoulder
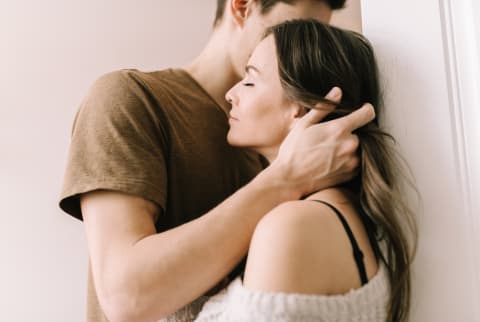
(161, 85)
(132, 78)
(122, 97)
(130, 87)
(115, 84)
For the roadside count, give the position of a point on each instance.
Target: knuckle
(354, 163)
(351, 144)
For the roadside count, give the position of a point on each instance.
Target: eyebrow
(251, 67)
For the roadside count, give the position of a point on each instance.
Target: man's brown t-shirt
(157, 135)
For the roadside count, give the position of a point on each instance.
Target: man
(153, 179)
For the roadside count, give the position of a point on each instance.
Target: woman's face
(261, 114)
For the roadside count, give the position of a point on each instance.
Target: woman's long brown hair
(313, 58)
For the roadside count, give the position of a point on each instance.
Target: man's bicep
(114, 222)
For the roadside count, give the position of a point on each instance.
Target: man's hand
(317, 156)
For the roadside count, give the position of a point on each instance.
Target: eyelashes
(247, 84)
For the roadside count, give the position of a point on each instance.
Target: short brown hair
(268, 4)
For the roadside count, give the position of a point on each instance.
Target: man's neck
(213, 70)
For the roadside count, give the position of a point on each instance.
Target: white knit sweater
(236, 303)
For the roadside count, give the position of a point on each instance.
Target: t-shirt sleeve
(118, 143)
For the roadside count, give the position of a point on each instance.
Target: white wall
(430, 68)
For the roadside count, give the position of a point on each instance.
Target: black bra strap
(357, 253)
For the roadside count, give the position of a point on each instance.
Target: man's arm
(142, 276)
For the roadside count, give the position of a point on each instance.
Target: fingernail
(372, 109)
(334, 93)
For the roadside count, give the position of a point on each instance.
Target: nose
(228, 96)
(231, 95)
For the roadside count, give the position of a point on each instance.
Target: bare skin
(138, 274)
(302, 247)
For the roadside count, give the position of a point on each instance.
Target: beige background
(50, 52)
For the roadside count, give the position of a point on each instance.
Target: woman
(289, 73)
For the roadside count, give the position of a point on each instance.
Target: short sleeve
(118, 143)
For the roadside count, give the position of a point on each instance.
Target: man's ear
(240, 10)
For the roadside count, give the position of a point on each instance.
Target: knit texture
(189, 312)
(236, 303)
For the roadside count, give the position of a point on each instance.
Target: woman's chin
(233, 140)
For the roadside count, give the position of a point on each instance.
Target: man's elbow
(121, 306)
(125, 305)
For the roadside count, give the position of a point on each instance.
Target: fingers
(321, 110)
(357, 118)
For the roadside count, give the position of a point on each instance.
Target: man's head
(266, 5)
(242, 23)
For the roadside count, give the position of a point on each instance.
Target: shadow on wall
(350, 17)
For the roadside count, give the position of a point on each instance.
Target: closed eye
(247, 84)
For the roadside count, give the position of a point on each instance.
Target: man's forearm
(165, 271)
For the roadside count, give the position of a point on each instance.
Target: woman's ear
(240, 10)
(297, 112)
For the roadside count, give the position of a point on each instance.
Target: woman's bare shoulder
(314, 233)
